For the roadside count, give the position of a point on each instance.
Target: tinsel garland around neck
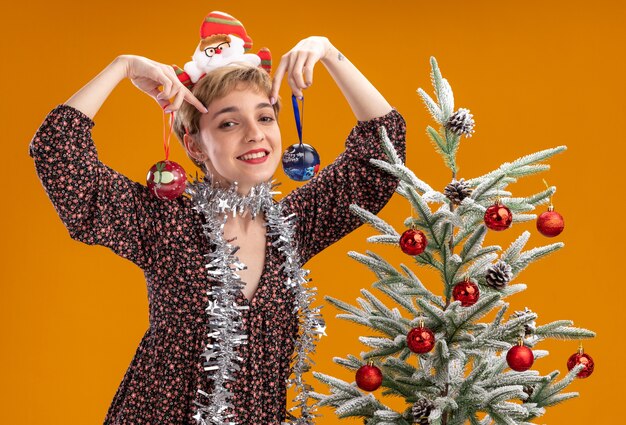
(226, 334)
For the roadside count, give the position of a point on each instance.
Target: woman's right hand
(148, 75)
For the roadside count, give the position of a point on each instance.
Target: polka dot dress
(101, 206)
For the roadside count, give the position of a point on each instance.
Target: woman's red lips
(252, 151)
(256, 160)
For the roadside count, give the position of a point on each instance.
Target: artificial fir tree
(450, 367)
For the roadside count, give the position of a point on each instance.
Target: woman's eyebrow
(226, 109)
(235, 109)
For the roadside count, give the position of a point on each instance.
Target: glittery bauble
(369, 377)
(467, 292)
(166, 180)
(584, 359)
(520, 358)
(301, 162)
(413, 242)
(420, 340)
(550, 223)
(498, 217)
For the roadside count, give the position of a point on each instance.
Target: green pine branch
(466, 373)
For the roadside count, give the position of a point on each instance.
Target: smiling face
(239, 139)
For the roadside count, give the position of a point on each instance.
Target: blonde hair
(215, 85)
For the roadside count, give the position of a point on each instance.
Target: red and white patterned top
(101, 206)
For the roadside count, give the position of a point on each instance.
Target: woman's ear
(193, 147)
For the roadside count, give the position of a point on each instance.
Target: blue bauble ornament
(301, 162)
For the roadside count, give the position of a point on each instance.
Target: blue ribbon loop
(296, 114)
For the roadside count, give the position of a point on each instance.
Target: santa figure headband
(223, 40)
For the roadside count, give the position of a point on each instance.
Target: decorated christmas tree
(436, 349)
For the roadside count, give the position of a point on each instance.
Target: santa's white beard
(201, 63)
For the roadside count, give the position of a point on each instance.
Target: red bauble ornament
(550, 223)
(520, 358)
(581, 358)
(369, 377)
(498, 217)
(413, 242)
(166, 180)
(467, 292)
(420, 340)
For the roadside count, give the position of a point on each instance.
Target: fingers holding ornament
(298, 65)
(178, 101)
(160, 82)
(301, 72)
(291, 66)
(173, 100)
(307, 73)
(146, 74)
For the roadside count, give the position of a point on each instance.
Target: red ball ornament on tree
(498, 217)
(520, 357)
(550, 223)
(413, 242)
(369, 377)
(166, 180)
(421, 339)
(581, 358)
(467, 292)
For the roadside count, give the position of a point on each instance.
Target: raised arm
(145, 74)
(322, 204)
(298, 64)
(97, 204)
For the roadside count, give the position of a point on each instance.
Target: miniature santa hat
(222, 23)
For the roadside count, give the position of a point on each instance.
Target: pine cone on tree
(457, 190)
(421, 410)
(529, 328)
(461, 123)
(498, 275)
(529, 389)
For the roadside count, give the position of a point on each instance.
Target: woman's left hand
(298, 64)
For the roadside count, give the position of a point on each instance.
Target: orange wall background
(535, 74)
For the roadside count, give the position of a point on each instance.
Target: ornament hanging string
(166, 179)
(548, 187)
(296, 114)
(166, 139)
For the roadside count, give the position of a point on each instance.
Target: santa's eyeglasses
(210, 51)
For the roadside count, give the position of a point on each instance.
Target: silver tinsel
(461, 123)
(220, 358)
(498, 275)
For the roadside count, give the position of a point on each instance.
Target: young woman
(185, 247)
